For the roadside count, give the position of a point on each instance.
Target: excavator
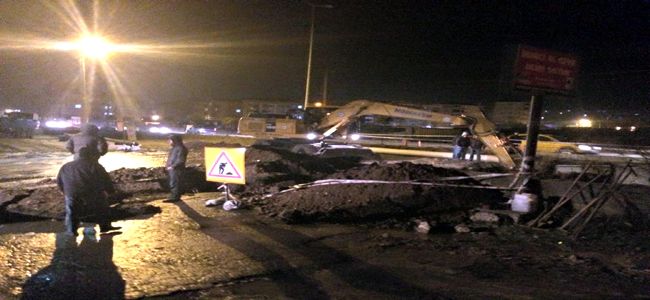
(471, 118)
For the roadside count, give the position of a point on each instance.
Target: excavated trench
(303, 189)
(274, 172)
(280, 185)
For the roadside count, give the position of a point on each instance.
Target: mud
(134, 187)
(272, 174)
(359, 202)
(455, 238)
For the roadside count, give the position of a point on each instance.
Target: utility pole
(324, 100)
(311, 46)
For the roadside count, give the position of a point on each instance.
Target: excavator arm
(471, 118)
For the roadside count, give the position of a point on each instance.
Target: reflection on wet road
(26, 165)
(192, 247)
(156, 255)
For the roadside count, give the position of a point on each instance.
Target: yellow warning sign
(225, 165)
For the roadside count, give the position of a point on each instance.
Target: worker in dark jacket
(85, 185)
(475, 148)
(88, 138)
(175, 166)
(460, 145)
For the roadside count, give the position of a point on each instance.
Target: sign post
(541, 72)
(532, 131)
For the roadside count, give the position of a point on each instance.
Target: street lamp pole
(93, 48)
(311, 46)
(85, 106)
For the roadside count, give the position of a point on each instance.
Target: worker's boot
(104, 228)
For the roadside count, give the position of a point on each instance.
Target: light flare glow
(95, 47)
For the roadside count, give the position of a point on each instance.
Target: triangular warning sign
(224, 168)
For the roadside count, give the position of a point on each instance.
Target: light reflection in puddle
(23, 166)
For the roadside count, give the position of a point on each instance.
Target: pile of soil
(404, 171)
(373, 201)
(196, 151)
(270, 170)
(47, 201)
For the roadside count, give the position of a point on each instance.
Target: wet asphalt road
(154, 255)
(186, 247)
(189, 247)
(27, 166)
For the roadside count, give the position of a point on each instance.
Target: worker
(88, 138)
(460, 145)
(85, 185)
(475, 148)
(175, 166)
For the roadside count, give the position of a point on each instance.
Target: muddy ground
(444, 210)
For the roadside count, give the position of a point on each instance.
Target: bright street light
(97, 49)
(94, 46)
(584, 122)
(89, 46)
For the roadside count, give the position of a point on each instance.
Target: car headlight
(311, 136)
(163, 130)
(355, 136)
(58, 124)
(585, 147)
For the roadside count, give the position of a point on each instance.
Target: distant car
(207, 128)
(19, 125)
(550, 144)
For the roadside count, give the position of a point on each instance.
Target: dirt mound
(44, 202)
(9, 196)
(148, 180)
(47, 202)
(196, 150)
(258, 154)
(271, 170)
(131, 175)
(404, 171)
(371, 201)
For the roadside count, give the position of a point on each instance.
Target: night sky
(411, 51)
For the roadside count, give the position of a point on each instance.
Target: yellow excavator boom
(472, 118)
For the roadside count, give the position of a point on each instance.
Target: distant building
(274, 107)
(224, 111)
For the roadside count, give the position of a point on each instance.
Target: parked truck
(18, 124)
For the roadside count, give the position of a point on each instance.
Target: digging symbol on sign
(224, 168)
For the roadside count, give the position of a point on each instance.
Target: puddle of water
(18, 168)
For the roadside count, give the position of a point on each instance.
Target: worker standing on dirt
(475, 148)
(85, 185)
(175, 166)
(461, 143)
(88, 138)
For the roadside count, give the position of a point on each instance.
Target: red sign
(545, 70)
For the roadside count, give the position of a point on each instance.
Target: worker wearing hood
(175, 166)
(85, 185)
(88, 138)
